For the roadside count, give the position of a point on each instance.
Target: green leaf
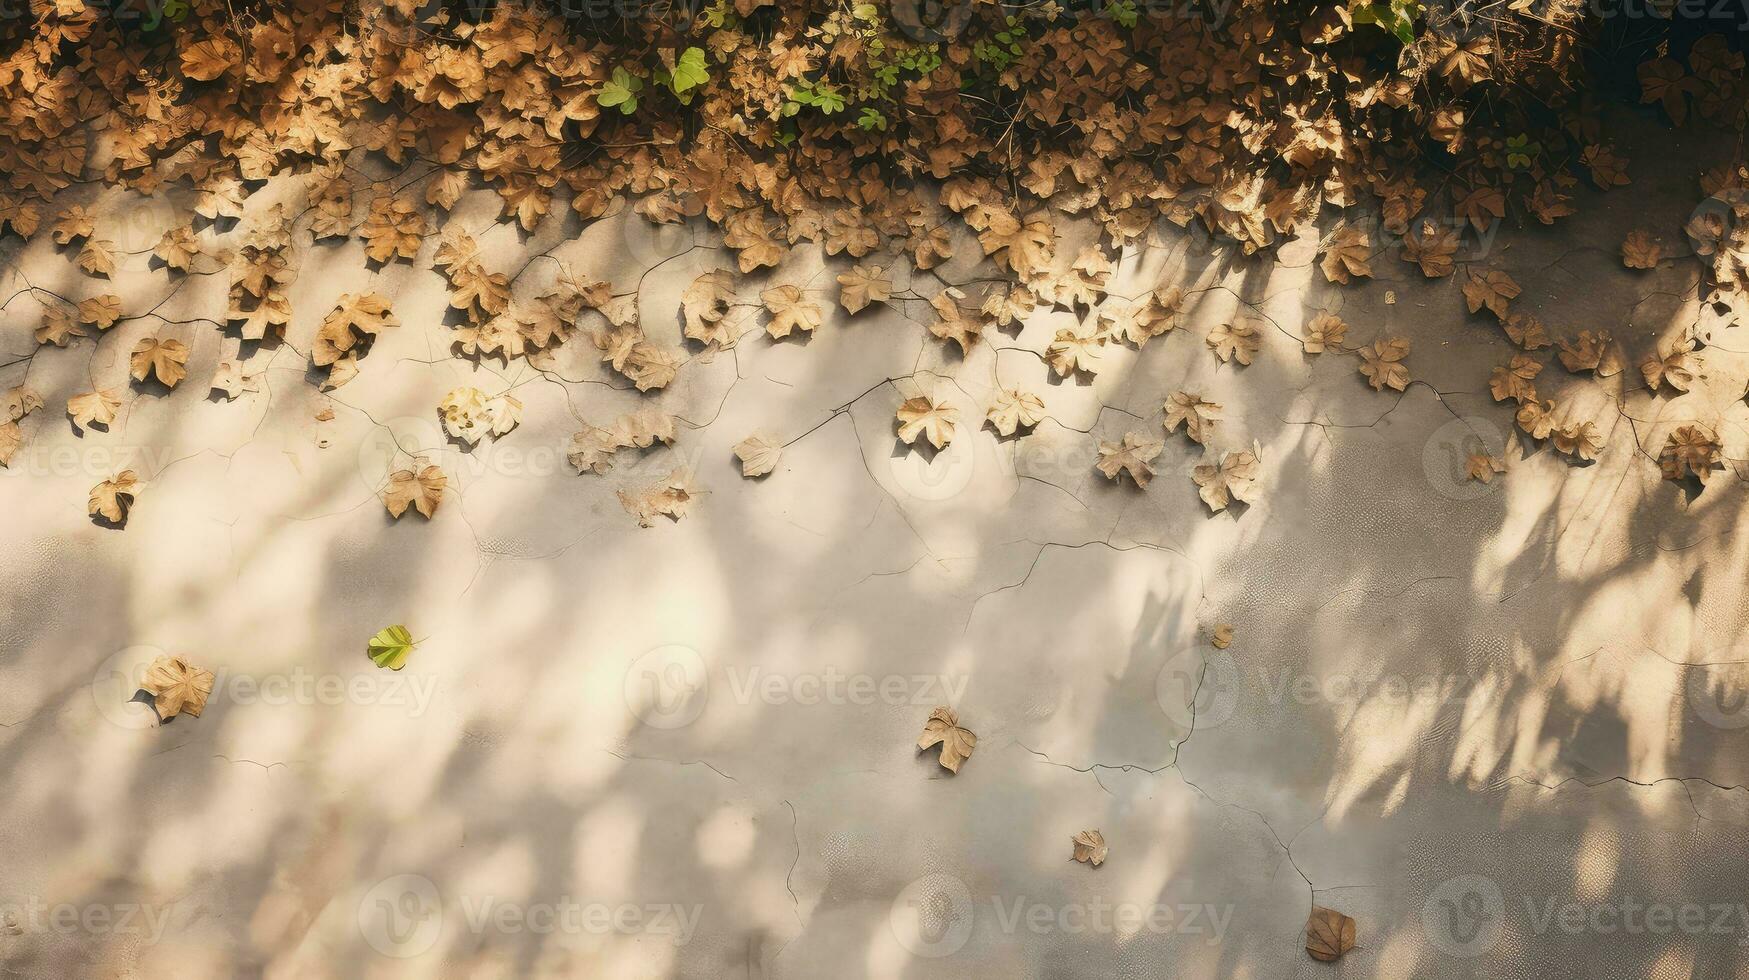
(390, 647)
(621, 90)
(872, 119)
(689, 72)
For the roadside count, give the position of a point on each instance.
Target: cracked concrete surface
(1502, 726)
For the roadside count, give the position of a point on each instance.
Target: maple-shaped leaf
(464, 414)
(58, 327)
(177, 687)
(19, 402)
(1131, 455)
(924, 415)
(1493, 289)
(1639, 250)
(1089, 847)
(97, 258)
(1482, 467)
(207, 59)
(1482, 207)
(1234, 478)
(790, 311)
(178, 248)
(1608, 169)
(11, 440)
(1235, 341)
(758, 454)
(643, 428)
(650, 367)
(1595, 352)
(862, 285)
(705, 303)
(943, 728)
(74, 223)
(352, 319)
(1526, 331)
(1025, 246)
(168, 359)
(1431, 246)
(1014, 410)
(1074, 349)
(955, 322)
(1329, 934)
(1382, 363)
(231, 379)
(1579, 439)
(1348, 254)
(754, 237)
(391, 646)
(422, 490)
(394, 229)
(1324, 331)
(1514, 380)
(1537, 419)
(94, 408)
(1674, 366)
(114, 497)
(100, 311)
(671, 497)
(1196, 415)
(1154, 314)
(1691, 449)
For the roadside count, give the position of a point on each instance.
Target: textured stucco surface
(1452, 711)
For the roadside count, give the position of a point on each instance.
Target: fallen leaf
(1482, 467)
(1235, 341)
(789, 311)
(422, 491)
(1690, 449)
(1196, 415)
(1324, 331)
(671, 497)
(1090, 847)
(98, 257)
(1329, 934)
(758, 454)
(1235, 478)
(94, 408)
(863, 285)
(1514, 380)
(1526, 331)
(168, 359)
(1221, 636)
(1382, 363)
(1592, 352)
(705, 304)
(177, 687)
(58, 326)
(1132, 456)
(1348, 253)
(100, 311)
(1014, 410)
(231, 379)
(943, 728)
(1075, 349)
(390, 647)
(1640, 250)
(1493, 290)
(114, 497)
(1675, 366)
(923, 414)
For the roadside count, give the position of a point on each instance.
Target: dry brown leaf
(943, 728)
(1236, 341)
(1324, 331)
(94, 408)
(1382, 363)
(422, 490)
(1235, 478)
(758, 454)
(1526, 331)
(1674, 366)
(177, 687)
(1090, 847)
(1196, 415)
(1481, 467)
(1493, 289)
(671, 497)
(114, 498)
(789, 311)
(1014, 410)
(168, 359)
(1594, 352)
(924, 415)
(1349, 253)
(100, 311)
(1514, 380)
(58, 327)
(1690, 450)
(706, 304)
(1329, 934)
(1640, 250)
(1132, 456)
(1075, 349)
(863, 285)
(97, 258)
(1221, 636)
